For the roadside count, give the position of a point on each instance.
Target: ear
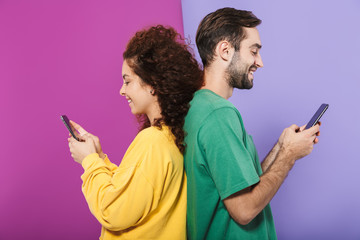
(224, 50)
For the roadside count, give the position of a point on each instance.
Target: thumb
(80, 129)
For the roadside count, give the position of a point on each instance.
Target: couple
(186, 119)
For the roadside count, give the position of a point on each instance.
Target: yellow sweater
(143, 198)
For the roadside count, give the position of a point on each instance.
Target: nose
(258, 61)
(122, 90)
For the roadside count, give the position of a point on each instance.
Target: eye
(126, 83)
(254, 52)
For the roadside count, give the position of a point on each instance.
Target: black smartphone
(66, 121)
(315, 119)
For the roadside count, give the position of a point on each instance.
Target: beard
(238, 76)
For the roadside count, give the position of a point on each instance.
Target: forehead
(252, 37)
(127, 70)
(125, 67)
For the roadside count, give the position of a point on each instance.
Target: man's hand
(297, 142)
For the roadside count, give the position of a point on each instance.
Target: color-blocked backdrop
(310, 54)
(65, 58)
(62, 57)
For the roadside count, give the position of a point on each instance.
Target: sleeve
(114, 198)
(109, 164)
(229, 163)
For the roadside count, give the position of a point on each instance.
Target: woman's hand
(95, 139)
(79, 150)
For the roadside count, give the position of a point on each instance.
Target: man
(228, 189)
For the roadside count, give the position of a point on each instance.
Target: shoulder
(152, 145)
(155, 134)
(155, 138)
(206, 103)
(207, 106)
(159, 152)
(210, 100)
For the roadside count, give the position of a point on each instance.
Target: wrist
(102, 155)
(277, 146)
(286, 155)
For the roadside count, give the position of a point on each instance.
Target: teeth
(129, 100)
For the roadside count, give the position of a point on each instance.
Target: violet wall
(310, 54)
(62, 57)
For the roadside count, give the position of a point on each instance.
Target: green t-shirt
(220, 160)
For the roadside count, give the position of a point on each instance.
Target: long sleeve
(109, 164)
(112, 197)
(145, 197)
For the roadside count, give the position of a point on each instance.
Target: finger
(319, 123)
(313, 130)
(80, 129)
(318, 133)
(316, 140)
(85, 136)
(302, 128)
(90, 138)
(82, 138)
(72, 140)
(294, 127)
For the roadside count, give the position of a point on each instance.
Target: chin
(134, 112)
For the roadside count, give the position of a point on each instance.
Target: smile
(252, 70)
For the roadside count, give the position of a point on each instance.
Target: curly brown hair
(162, 59)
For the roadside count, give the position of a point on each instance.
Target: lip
(252, 71)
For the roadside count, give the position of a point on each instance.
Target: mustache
(253, 67)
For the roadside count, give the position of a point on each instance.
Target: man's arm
(269, 159)
(246, 204)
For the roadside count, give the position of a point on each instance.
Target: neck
(154, 113)
(215, 80)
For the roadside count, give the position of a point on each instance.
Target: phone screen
(66, 121)
(315, 119)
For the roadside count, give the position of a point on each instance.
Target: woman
(145, 197)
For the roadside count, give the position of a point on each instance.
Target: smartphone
(66, 121)
(315, 119)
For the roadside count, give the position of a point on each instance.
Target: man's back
(220, 160)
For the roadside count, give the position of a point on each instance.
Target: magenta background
(311, 55)
(62, 57)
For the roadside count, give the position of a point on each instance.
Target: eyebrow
(124, 76)
(256, 45)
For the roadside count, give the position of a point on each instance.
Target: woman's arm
(118, 200)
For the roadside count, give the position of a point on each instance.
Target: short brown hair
(223, 24)
(162, 59)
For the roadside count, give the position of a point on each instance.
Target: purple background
(310, 54)
(62, 57)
